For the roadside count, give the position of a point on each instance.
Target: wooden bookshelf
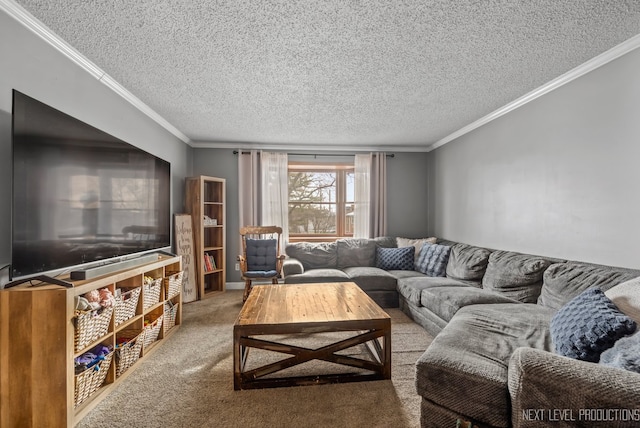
(205, 201)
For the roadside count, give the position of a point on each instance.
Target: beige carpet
(188, 382)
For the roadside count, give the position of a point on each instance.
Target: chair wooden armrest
(243, 263)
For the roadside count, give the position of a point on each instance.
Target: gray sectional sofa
(492, 362)
(345, 260)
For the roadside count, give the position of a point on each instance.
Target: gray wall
(557, 177)
(407, 195)
(33, 67)
(406, 186)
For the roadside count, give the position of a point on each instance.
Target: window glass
(321, 199)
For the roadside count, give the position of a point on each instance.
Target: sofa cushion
(317, 275)
(446, 301)
(467, 263)
(433, 259)
(466, 366)
(314, 255)
(401, 274)
(371, 278)
(564, 281)
(395, 258)
(356, 252)
(411, 287)
(516, 275)
(416, 243)
(626, 296)
(386, 241)
(588, 325)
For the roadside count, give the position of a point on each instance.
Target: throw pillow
(626, 297)
(588, 325)
(395, 258)
(416, 243)
(433, 259)
(625, 354)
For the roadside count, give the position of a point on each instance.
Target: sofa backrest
(564, 281)
(356, 253)
(314, 255)
(467, 263)
(347, 252)
(516, 275)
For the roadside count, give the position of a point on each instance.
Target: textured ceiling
(337, 73)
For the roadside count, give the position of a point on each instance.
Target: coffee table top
(308, 304)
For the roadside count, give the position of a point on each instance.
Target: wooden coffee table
(292, 309)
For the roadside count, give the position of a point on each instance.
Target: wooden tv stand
(37, 348)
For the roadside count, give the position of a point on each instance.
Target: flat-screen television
(80, 196)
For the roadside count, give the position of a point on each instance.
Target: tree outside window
(321, 201)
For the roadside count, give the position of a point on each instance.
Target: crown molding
(598, 61)
(18, 13)
(245, 145)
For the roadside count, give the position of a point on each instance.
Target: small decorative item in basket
(90, 326)
(126, 304)
(91, 371)
(92, 316)
(170, 312)
(151, 331)
(128, 350)
(151, 291)
(173, 284)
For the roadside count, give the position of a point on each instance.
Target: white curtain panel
(362, 198)
(249, 187)
(378, 221)
(275, 191)
(370, 212)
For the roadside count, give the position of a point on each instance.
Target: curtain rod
(389, 155)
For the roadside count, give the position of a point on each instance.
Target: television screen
(81, 195)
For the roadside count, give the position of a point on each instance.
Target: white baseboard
(234, 286)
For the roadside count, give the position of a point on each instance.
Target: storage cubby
(42, 335)
(205, 201)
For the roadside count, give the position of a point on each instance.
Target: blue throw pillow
(433, 259)
(395, 258)
(588, 325)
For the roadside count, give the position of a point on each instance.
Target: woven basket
(152, 331)
(152, 293)
(173, 284)
(128, 353)
(170, 313)
(87, 382)
(126, 305)
(89, 327)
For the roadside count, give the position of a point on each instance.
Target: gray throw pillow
(625, 354)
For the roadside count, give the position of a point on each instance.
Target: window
(321, 201)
